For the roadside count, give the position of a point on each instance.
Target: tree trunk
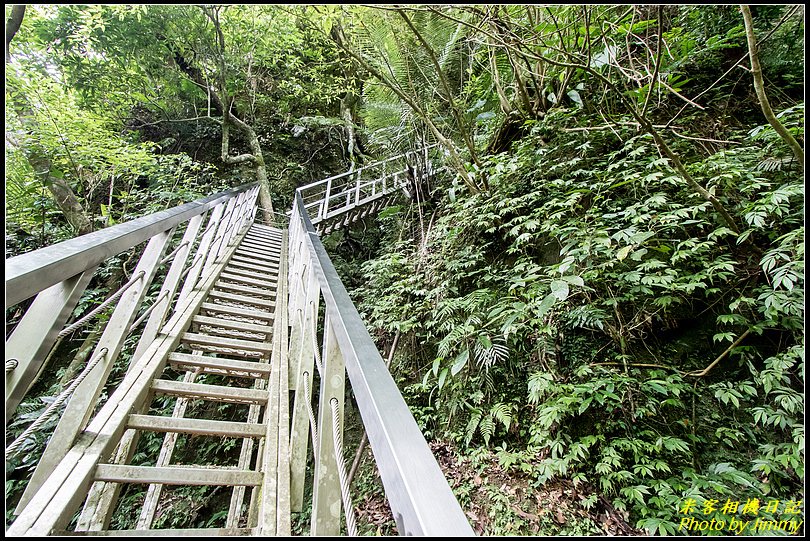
(12, 26)
(256, 157)
(759, 86)
(64, 196)
(348, 103)
(225, 103)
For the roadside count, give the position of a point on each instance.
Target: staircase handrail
(420, 498)
(32, 272)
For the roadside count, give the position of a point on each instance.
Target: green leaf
(545, 305)
(442, 378)
(574, 280)
(460, 362)
(559, 288)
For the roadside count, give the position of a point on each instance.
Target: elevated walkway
(340, 200)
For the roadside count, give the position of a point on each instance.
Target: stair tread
(236, 311)
(247, 280)
(261, 245)
(272, 271)
(259, 257)
(177, 475)
(245, 289)
(232, 324)
(216, 365)
(214, 393)
(243, 299)
(195, 532)
(252, 261)
(156, 423)
(234, 343)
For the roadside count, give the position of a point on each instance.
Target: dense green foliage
(604, 289)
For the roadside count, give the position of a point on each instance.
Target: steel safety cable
(351, 520)
(96, 311)
(16, 445)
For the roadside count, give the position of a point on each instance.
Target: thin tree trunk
(223, 102)
(454, 109)
(759, 87)
(348, 102)
(63, 195)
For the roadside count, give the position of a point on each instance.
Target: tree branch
(645, 124)
(720, 358)
(445, 85)
(657, 69)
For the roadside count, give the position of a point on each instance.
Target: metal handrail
(365, 167)
(420, 498)
(28, 274)
(58, 275)
(353, 186)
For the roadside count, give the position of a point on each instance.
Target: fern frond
(487, 429)
(774, 164)
(502, 413)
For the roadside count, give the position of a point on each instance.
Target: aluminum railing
(341, 193)
(417, 491)
(59, 274)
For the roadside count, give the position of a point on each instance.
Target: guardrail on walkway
(58, 275)
(338, 194)
(420, 498)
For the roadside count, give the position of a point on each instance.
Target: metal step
(165, 532)
(260, 257)
(156, 423)
(214, 365)
(250, 263)
(236, 311)
(213, 393)
(241, 299)
(218, 332)
(265, 229)
(262, 245)
(245, 289)
(266, 271)
(231, 277)
(242, 273)
(261, 242)
(232, 324)
(177, 475)
(202, 341)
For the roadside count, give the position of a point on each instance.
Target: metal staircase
(248, 316)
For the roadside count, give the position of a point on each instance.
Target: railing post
(200, 255)
(223, 231)
(325, 207)
(297, 305)
(326, 500)
(170, 284)
(97, 511)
